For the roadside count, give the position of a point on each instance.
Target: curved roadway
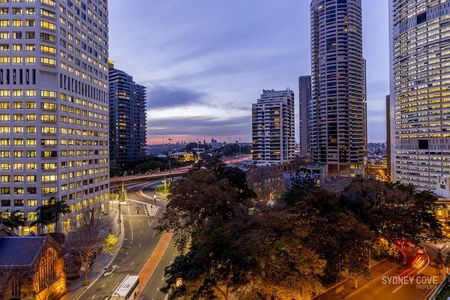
(140, 239)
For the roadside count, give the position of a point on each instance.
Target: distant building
(31, 268)
(304, 93)
(338, 135)
(127, 118)
(182, 156)
(273, 127)
(420, 123)
(270, 182)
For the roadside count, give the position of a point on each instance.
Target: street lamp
(122, 196)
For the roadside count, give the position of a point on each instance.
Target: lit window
(17, 93)
(32, 202)
(30, 60)
(18, 129)
(4, 60)
(48, 25)
(48, 94)
(48, 61)
(31, 166)
(30, 93)
(31, 105)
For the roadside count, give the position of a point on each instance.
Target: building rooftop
(20, 251)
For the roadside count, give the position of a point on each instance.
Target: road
(407, 283)
(140, 240)
(116, 181)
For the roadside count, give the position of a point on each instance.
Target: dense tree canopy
(231, 244)
(393, 211)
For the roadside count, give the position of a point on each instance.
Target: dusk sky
(205, 62)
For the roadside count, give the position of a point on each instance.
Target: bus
(128, 289)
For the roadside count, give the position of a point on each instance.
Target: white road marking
(132, 263)
(93, 296)
(103, 285)
(153, 235)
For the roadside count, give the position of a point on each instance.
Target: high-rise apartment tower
(273, 124)
(127, 104)
(338, 104)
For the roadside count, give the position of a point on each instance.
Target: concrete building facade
(420, 94)
(53, 105)
(338, 131)
(273, 127)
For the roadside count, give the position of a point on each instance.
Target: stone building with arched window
(31, 268)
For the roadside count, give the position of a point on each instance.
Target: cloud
(164, 97)
(235, 126)
(209, 60)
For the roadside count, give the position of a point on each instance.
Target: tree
(302, 185)
(393, 211)
(110, 243)
(210, 269)
(234, 249)
(196, 200)
(50, 214)
(13, 220)
(280, 264)
(85, 242)
(338, 237)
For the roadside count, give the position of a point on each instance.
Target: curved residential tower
(338, 105)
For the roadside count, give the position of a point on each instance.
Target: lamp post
(122, 195)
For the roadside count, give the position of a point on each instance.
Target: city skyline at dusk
(208, 62)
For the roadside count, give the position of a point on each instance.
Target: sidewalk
(76, 287)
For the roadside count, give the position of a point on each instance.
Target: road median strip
(152, 263)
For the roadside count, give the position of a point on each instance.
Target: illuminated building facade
(304, 83)
(53, 105)
(420, 93)
(127, 118)
(338, 131)
(273, 125)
